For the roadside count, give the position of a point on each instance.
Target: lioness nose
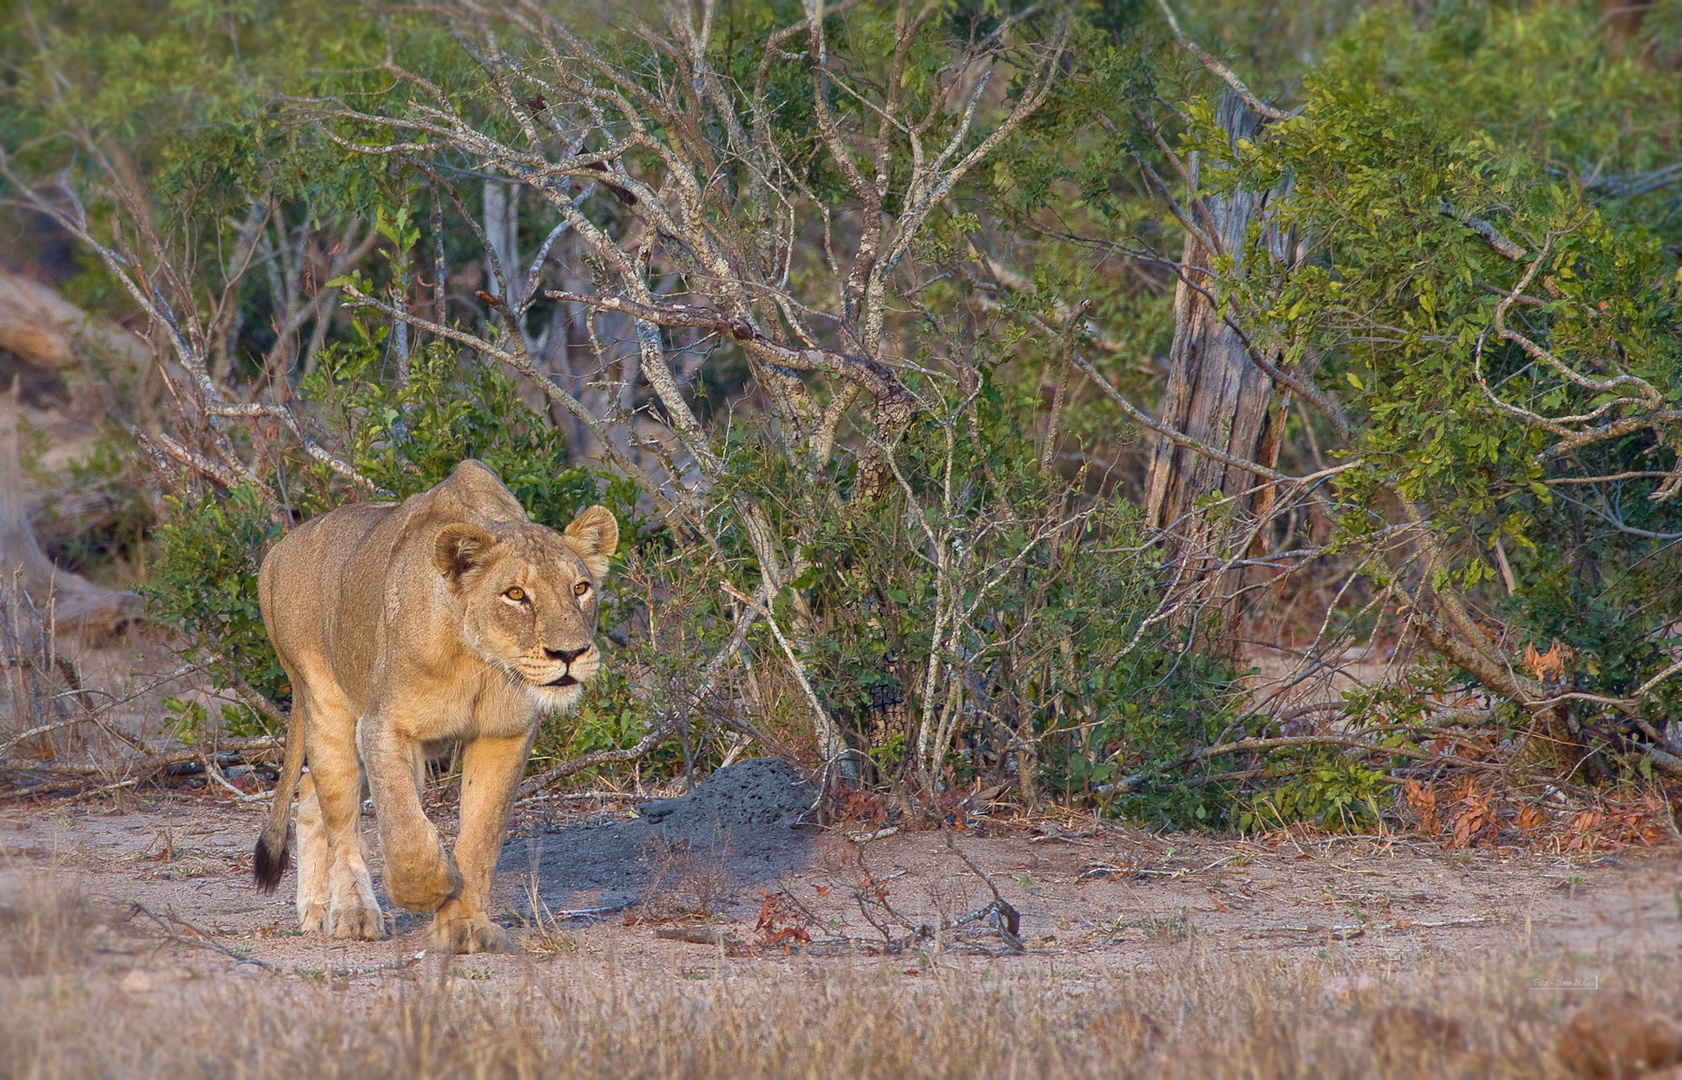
(566, 656)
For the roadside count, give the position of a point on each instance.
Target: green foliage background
(1513, 113)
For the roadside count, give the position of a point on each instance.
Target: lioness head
(528, 596)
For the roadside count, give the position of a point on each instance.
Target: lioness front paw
(425, 887)
(467, 934)
(358, 920)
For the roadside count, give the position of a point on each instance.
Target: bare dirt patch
(1111, 896)
(1161, 955)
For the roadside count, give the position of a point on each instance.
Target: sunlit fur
(521, 637)
(447, 619)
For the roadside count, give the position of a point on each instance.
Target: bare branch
(1221, 71)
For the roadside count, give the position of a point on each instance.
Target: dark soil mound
(743, 826)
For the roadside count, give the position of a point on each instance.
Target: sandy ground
(1093, 898)
(169, 877)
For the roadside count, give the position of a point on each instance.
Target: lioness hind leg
(352, 909)
(315, 861)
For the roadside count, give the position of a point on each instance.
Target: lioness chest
(467, 701)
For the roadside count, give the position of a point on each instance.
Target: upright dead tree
(1208, 509)
(502, 232)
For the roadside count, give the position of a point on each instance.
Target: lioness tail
(270, 861)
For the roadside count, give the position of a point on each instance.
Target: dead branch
(1220, 70)
(169, 923)
(999, 913)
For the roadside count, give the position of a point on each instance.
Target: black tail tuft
(268, 864)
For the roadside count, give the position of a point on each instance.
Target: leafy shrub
(1037, 604)
(407, 436)
(204, 583)
(1542, 487)
(1340, 796)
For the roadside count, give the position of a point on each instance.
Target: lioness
(447, 616)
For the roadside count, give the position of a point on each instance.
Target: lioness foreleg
(490, 775)
(420, 874)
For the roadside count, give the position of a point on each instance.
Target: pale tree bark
(42, 327)
(502, 234)
(1216, 395)
(75, 603)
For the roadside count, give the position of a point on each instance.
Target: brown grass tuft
(574, 1016)
(44, 929)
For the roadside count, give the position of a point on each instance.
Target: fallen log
(43, 328)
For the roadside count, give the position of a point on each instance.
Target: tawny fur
(448, 617)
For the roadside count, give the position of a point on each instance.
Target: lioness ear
(595, 536)
(459, 548)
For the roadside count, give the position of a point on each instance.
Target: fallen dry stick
(369, 969)
(999, 914)
(1353, 929)
(168, 922)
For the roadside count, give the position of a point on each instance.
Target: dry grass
(62, 1014)
(46, 929)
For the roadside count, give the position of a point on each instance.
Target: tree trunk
(502, 236)
(1217, 396)
(78, 604)
(1623, 18)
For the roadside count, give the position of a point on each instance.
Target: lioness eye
(515, 594)
(581, 588)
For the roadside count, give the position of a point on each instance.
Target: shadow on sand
(744, 825)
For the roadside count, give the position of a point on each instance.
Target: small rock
(136, 982)
(1618, 1037)
(248, 971)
